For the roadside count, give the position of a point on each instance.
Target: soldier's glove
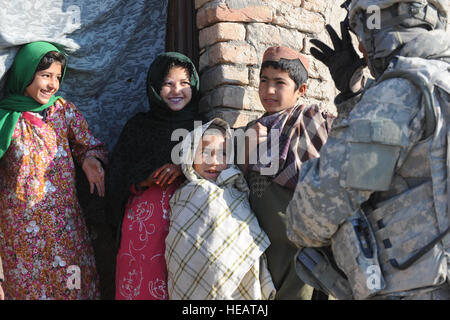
(342, 61)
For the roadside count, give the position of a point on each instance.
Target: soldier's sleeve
(1, 271)
(360, 157)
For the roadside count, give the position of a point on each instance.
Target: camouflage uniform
(377, 194)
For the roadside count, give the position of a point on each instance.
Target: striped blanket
(215, 246)
(303, 131)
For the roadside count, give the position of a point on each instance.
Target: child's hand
(145, 183)
(260, 132)
(166, 174)
(95, 175)
(2, 294)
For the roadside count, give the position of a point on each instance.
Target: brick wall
(233, 35)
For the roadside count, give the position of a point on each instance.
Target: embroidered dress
(44, 242)
(141, 272)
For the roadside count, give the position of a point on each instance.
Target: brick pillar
(233, 35)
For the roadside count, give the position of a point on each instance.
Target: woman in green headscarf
(142, 177)
(43, 236)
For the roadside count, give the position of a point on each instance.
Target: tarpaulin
(110, 44)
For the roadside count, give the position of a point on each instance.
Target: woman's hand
(95, 175)
(166, 174)
(162, 176)
(256, 136)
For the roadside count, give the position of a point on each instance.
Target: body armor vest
(400, 243)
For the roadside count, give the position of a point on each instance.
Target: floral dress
(141, 272)
(44, 241)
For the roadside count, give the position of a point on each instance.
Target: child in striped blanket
(215, 246)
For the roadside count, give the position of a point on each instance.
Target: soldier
(378, 193)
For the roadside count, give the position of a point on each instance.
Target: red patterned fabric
(141, 272)
(42, 231)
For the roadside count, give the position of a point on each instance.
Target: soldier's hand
(342, 61)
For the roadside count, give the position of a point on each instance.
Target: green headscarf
(20, 75)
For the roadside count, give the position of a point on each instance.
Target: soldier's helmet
(383, 26)
(428, 13)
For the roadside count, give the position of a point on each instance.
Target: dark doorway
(181, 31)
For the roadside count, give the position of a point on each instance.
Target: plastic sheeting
(110, 44)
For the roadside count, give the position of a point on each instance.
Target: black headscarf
(145, 142)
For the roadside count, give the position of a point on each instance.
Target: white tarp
(110, 44)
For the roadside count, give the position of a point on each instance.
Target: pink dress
(44, 241)
(141, 272)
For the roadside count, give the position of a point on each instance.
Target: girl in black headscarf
(142, 177)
